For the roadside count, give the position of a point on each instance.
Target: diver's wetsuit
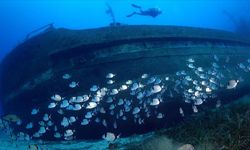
(153, 12)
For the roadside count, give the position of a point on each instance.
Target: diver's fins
(130, 15)
(136, 6)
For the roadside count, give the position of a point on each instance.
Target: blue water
(20, 17)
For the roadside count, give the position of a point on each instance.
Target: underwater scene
(125, 75)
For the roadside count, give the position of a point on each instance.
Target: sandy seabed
(7, 144)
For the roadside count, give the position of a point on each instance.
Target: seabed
(224, 128)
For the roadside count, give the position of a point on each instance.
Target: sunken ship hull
(33, 71)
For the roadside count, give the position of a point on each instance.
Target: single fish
(42, 130)
(72, 119)
(190, 60)
(208, 90)
(110, 137)
(216, 58)
(56, 97)
(135, 86)
(88, 115)
(73, 84)
(120, 102)
(57, 135)
(191, 66)
(156, 89)
(195, 109)
(110, 82)
(144, 76)
(94, 88)
(124, 87)
(66, 76)
(155, 102)
(136, 110)
(29, 125)
(50, 123)
(181, 112)
(114, 92)
(68, 133)
(34, 111)
(65, 122)
(198, 101)
(52, 105)
(102, 110)
(64, 104)
(110, 75)
(91, 105)
(115, 125)
(218, 103)
(104, 123)
(111, 107)
(85, 122)
(232, 84)
(77, 107)
(129, 82)
(159, 116)
(46, 117)
(151, 80)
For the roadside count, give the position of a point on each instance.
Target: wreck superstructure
(33, 71)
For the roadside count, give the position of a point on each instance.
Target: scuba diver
(153, 12)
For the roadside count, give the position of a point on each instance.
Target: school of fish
(134, 98)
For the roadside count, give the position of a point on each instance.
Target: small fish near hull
(142, 63)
